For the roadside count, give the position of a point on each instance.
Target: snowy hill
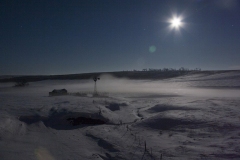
(190, 116)
(122, 74)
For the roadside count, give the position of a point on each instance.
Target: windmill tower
(95, 85)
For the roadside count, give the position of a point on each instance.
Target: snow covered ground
(196, 116)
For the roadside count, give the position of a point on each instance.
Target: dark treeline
(170, 69)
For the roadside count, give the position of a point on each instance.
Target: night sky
(79, 36)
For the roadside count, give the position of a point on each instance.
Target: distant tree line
(182, 69)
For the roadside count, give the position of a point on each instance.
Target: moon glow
(176, 22)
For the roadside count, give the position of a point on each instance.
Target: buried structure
(58, 92)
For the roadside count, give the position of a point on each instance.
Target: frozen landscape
(195, 116)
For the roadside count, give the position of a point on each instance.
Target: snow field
(173, 119)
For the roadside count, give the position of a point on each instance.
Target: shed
(58, 92)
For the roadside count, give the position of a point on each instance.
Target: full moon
(176, 22)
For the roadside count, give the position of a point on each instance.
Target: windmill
(95, 85)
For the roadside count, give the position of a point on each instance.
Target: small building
(58, 92)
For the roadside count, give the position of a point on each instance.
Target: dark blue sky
(76, 36)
